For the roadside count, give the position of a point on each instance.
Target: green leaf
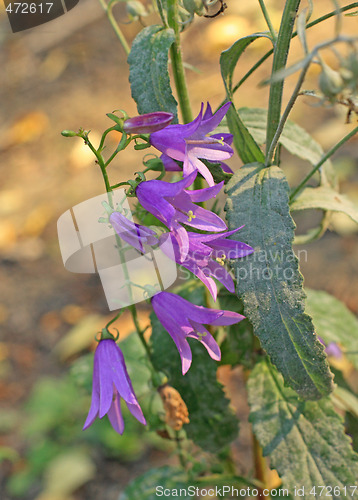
(212, 425)
(148, 70)
(269, 281)
(325, 198)
(244, 143)
(305, 440)
(293, 138)
(145, 487)
(334, 322)
(230, 57)
(237, 347)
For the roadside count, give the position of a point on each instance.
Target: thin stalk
(294, 34)
(140, 332)
(285, 114)
(114, 24)
(268, 20)
(260, 467)
(324, 158)
(281, 50)
(177, 63)
(101, 164)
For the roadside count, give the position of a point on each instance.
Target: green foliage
(293, 138)
(148, 76)
(334, 322)
(212, 423)
(269, 281)
(237, 346)
(305, 440)
(244, 142)
(144, 487)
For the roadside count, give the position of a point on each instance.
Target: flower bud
(136, 10)
(68, 133)
(148, 123)
(330, 82)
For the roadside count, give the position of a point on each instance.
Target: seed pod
(330, 82)
(176, 411)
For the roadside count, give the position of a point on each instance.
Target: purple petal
(115, 415)
(169, 164)
(192, 163)
(136, 411)
(119, 374)
(207, 340)
(105, 377)
(228, 318)
(93, 411)
(211, 123)
(228, 138)
(147, 123)
(226, 168)
(199, 195)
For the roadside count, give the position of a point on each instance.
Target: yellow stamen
(191, 216)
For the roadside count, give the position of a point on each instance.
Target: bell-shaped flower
(132, 233)
(182, 320)
(207, 256)
(147, 123)
(111, 383)
(174, 205)
(190, 142)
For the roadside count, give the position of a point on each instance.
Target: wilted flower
(111, 382)
(190, 142)
(148, 123)
(173, 205)
(134, 234)
(182, 319)
(207, 256)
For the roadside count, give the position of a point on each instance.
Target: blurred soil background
(68, 74)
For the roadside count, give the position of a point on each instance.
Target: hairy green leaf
(212, 425)
(269, 281)
(334, 322)
(148, 70)
(305, 440)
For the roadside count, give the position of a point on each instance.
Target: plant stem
(281, 50)
(140, 332)
(285, 114)
(108, 10)
(324, 158)
(268, 20)
(177, 63)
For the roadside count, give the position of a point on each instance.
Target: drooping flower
(182, 319)
(147, 123)
(332, 349)
(190, 142)
(207, 256)
(134, 234)
(174, 205)
(111, 382)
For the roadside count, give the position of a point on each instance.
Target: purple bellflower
(132, 233)
(207, 256)
(148, 123)
(190, 142)
(173, 205)
(332, 349)
(111, 382)
(182, 319)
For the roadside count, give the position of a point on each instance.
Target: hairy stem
(177, 63)
(281, 50)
